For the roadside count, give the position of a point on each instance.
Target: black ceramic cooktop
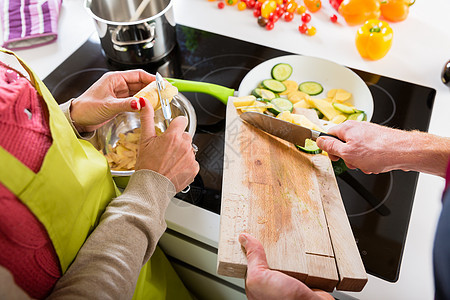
(378, 206)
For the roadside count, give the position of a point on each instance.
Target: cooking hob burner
(76, 83)
(360, 195)
(385, 105)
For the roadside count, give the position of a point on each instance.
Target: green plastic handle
(220, 92)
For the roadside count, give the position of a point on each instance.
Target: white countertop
(420, 49)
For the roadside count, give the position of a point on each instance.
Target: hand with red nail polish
(108, 96)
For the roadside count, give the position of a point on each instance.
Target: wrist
(423, 152)
(73, 107)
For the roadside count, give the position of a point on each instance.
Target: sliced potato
(325, 107)
(244, 101)
(339, 119)
(291, 86)
(304, 121)
(297, 96)
(302, 104)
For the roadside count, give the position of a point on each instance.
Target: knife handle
(330, 135)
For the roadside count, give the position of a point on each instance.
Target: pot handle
(220, 92)
(148, 27)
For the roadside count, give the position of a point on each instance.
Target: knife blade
(165, 105)
(287, 131)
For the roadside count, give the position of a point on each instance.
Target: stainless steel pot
(134, 43)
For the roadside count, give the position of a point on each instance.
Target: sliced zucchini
(274, 85)
(280, 105)
(343, 108)
(310, 147)
(359, 116)
(281, 71)
(264, 94)
(312, 88)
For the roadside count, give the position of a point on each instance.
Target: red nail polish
(142, 102)
(133, 104)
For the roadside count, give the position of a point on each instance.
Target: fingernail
(133, 104)
(243, 240)
(142, 102)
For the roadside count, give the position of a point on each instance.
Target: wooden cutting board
(290, 202)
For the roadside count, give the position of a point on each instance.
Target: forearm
(108, 264)
(421, 152)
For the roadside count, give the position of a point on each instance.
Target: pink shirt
(25, 247)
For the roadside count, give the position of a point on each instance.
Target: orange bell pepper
(374, 39)
(356, 12)
(395, 10)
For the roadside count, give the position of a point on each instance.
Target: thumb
(147, 117)
(177, 125)
(331, 145)
(256, 257)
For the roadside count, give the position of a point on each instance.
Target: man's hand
(170, 154)
(263, 283)
(107, 97)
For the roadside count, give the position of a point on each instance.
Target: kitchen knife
(285, 130)
(165, 105)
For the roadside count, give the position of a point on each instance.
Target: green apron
(69, 194)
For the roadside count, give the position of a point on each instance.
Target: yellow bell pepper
(356, 12)
(374, 39)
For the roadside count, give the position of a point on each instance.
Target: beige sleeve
(65, 107)
(108, 264)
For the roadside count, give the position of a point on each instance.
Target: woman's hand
(107, 97)
(263, 283)
(170, 154)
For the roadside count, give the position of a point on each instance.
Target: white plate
(306, 68)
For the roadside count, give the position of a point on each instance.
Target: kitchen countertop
(420, 49)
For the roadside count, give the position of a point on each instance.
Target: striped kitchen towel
(29, 23)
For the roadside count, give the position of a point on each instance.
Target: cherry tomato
(270, 25)
(242, 5)
(279, 11)
(251, 3)
(291, 6)
(258, 5)
(301, 9)
(311, 31)
(220, 5)
(262, 21)
(279, 2)
(256, 13)
(303, 28)
(288, 16)
(306, 17)
(268, 7)
(273, 17)
(231, 2)
(334, 18)
(313, 5)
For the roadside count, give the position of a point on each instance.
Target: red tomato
(270, 25)
(334, 18)
(279, 11)
(303, 28)
(288, 16)
(306, 17)
(251, 3)
(256, 12)
(258, 5)
(220, 5)
(273, 17)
